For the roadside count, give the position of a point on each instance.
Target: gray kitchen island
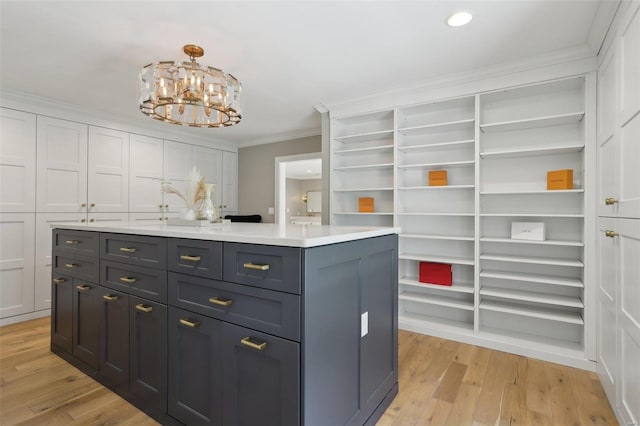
(241, 324)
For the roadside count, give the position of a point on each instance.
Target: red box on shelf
(435, 273)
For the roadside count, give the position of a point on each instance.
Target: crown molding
(57, 109)
(298, 134)
(602, 24)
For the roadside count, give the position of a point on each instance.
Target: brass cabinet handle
(128, 280)
(109, 297)
(610, 201)
(128, 249)
(83, 220)
(259, 346)
(72, 242)
(611, 234)
(190, 258)
(83, 205)
(92, 205)
(140, 307)
(250, 265)
(192, 324)
(222, 302)
(83, 287)
(71, 265)
(92, 220)
(59, 280)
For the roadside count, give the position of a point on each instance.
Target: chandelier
(190, 94)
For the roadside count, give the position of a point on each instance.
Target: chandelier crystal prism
(189, 94)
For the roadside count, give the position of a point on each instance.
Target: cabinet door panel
(629, 192)
(261, 386)
(17, 161)
(209, 163)
(86, 323)
(108, 170)
(229, 183)
(114, 339)
(195, 368)
(17, 254)
(61, 166)
(177, 164)
(630, 50)
(145, 174)
(61, 311)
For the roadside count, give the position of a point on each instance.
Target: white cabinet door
(629, 169)
(16, 263)
(17, 161)
(177, 164)
(209, 163)
(43, 253)
(61, 166)
(108, 170)
(229, 183)
(630, 70)
(145, 174)
(146, 218)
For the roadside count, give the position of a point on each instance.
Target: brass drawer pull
(250, 265)
(110, 298)
(190, 258)
(259, 346)
(59, 280)
(71, 265)
(222, 302)
(128, 249)
(83, 287)
(611, 234)
(192, 324)
(72, 242)
(128, 280)
(140, 307)
(610, 201)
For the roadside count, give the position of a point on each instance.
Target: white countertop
(254, 233)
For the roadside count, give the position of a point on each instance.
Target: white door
(43, 253)
(61, 166)
(177, 164)
(229, 183)
(16, 263)
(108, 170)
(209, 163)
(17, 161)
(145, 174)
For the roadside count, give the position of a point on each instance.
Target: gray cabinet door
(260, 379)
(114, 339)
(195, 368)
(86, 323)
(148, 353)
(62, 312)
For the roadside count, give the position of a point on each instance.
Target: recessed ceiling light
(459, 19)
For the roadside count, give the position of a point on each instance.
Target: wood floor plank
(465, 404)
(450, 383)
(589, 392)
(538, 388)
(563, 402)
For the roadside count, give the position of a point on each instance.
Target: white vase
(189, 214)
(208, 210)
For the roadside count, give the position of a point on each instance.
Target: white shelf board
(531, 259)
(531, 296)
(542, 191)
(436, 237)
(531, 215)
(365, 213)
(533, 122)
(441, 188)
(546, 314)
(418, 130)
(363, 137)
(533, 278)
(436, 214)
(363, 189)
(543, 243)
(438, 259)
(364, 167)
(408, 319)
(457, 287)
(432, 299)
(530, 152)
(441, 164)
(440, 145)
(381, 148)
(547, 344)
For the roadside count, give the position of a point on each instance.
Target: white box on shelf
(527, 231)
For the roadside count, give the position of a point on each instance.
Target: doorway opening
(298, 180)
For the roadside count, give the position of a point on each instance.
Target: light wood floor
(441, 383)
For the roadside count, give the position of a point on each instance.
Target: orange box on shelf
(365, 204)
(435, 273)
(560, 179)
(437, 178)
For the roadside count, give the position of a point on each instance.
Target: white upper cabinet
(630, 55)
(177, 164)
(145, 174)
(16, 263)
(61, 166)
(229, 182)
(209, 164)
(108, 170)
(17, 161)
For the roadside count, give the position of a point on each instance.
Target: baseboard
(25, 317)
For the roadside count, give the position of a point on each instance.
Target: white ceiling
(304, 169)
(289, 56)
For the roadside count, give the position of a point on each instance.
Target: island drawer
(272, 267)
(269, 311)
(85, 268)
(195, 257)
(150, 252)
(136, 280)
(84, 243)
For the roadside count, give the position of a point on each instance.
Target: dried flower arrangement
(194, 192)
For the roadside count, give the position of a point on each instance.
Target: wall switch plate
(272, 210)
(364, 324)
